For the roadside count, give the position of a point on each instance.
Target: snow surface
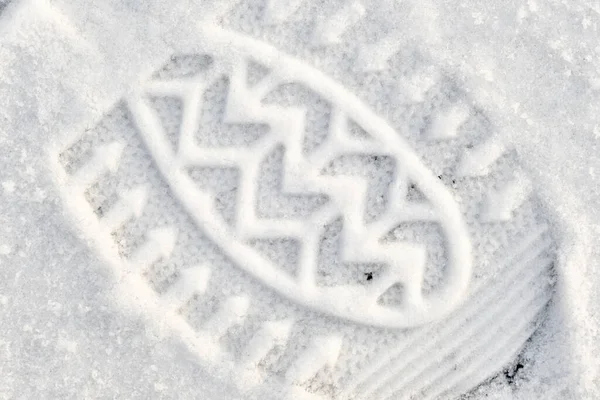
(62, 335)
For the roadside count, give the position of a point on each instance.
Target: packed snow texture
(533, 64)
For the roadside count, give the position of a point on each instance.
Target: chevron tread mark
(267, 153)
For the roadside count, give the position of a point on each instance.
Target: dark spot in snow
(369, 275)
(510, 373)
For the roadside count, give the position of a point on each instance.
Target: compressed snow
(64, 332)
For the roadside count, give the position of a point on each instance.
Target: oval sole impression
(298, 242)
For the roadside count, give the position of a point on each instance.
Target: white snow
(64, 334)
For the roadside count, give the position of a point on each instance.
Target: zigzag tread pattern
(321, 173)
(342, 195)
